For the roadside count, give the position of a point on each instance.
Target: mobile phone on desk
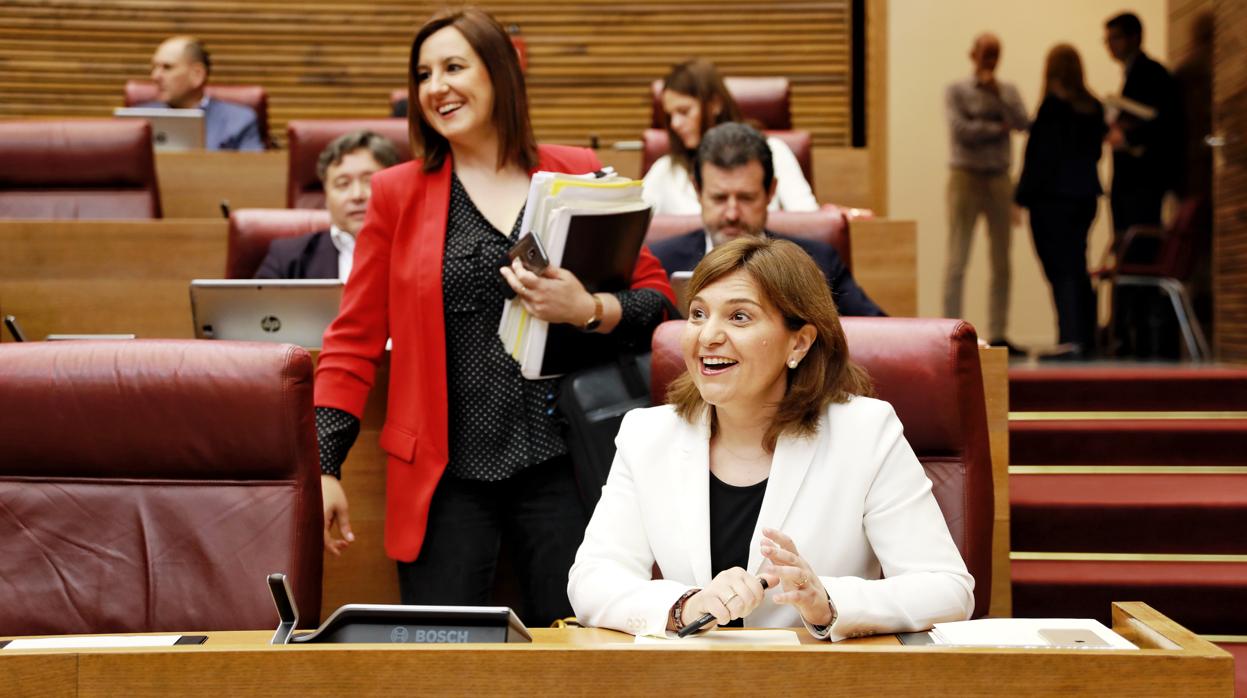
(531, 253)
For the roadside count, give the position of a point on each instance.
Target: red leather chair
(765, 100)
(89, 168)
(928, 369)
(151, 485)
(308, 137)
(141, 91)
(655, 144)
(828, 224)
(251, 230)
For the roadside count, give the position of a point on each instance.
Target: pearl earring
(792, 363)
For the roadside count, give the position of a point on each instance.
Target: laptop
(172, 129)
(296, 311)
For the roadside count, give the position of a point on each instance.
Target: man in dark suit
(735, 182)
(1145, 145)
(180, 70)
(345, 167)
(1146, 141)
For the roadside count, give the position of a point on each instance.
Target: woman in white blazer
(694, 99)
(770, 464)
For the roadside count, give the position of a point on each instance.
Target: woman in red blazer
(427, 274)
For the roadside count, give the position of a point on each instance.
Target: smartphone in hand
(531, 253)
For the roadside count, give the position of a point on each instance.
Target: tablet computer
(296, 311)
(172, 129)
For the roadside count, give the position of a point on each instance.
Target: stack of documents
(593, 226)
(1079, 633)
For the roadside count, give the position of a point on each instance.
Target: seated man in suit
(180, 70)
(735, 182)
(346, 167)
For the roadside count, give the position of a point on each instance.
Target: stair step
(1127, 388)
(1134, 513)
(1128, 442)
(1206, 597)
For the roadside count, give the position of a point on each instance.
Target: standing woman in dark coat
(1060, 186)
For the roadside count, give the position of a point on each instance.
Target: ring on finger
(729, 599)
(800, 583)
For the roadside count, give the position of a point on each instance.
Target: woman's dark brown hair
(790, 280)
(516, 143)
(700, 80)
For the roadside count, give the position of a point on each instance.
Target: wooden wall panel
(1229, 122)
(590, 61)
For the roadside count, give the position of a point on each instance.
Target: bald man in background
(982, 112)
(180, 70)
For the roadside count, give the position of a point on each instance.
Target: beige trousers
(971, 194)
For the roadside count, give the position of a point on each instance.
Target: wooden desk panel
(995, 367)
(192, 184)
(575, 661)
(74, 277)
(885, 263)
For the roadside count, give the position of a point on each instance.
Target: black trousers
(1059, 228)
(537, 513)
(1144, 324)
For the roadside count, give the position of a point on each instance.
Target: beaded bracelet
(677, 609)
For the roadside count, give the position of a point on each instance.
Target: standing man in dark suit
(735, 181)
(1145, 137)
(1144, 149)
(180, 70)
(346, 168)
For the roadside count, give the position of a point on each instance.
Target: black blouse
(733, 516)
(499, 422)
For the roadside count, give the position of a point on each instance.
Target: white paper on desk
(92, 642)
(719, 638)
(1020, 632)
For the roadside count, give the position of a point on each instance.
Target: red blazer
(395, 290)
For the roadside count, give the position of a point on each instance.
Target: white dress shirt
(345, 244)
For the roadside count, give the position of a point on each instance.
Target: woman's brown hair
(1063, 78)
(516, 143)
(793, 283)
(700, 80)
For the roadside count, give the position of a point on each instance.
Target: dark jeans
(537, 513)
(1059, 228)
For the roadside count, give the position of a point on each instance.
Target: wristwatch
(598, 309)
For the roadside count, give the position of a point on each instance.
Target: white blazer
(853, 497)
(668, 187)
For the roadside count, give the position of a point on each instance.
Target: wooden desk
(192, 184)
(72, 277)
(1172, 661)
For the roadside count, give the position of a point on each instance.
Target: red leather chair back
(655, 144)
(928, 369)
(765, 100)
(1179, 248)
(151, 485)
(308, 137)
(89, 168)
(251, 230)
(141, 91)
(828, 224)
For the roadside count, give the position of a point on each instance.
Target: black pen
(706, 619)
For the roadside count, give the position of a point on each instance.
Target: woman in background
(694, 99)
(770, 463)
(1060, 186)
(475, 453)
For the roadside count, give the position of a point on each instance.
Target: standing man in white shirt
(346, 168)
(982, 112)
